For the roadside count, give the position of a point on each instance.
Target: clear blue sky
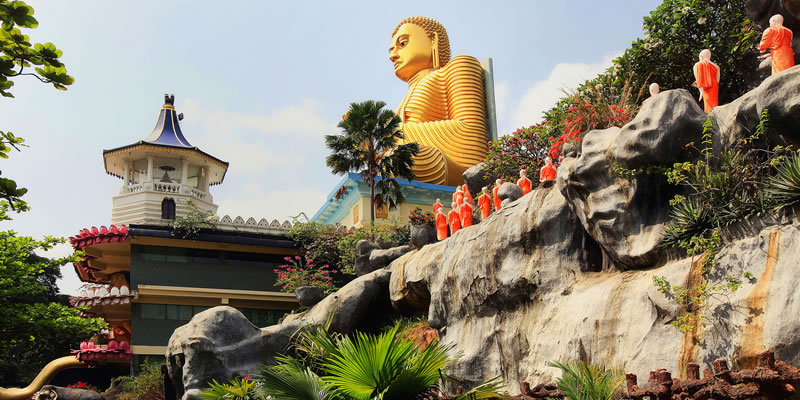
(261, 83)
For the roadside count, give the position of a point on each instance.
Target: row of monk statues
(462, 207)
(777, 39)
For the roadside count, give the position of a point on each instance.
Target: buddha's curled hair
(431, 27)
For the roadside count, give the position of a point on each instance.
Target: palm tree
(368, 145)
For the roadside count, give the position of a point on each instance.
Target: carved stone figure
(778, 39)
(444, 110)
(467, 196)
(706, 75)
(437, 206)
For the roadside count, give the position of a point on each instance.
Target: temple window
(168, 209)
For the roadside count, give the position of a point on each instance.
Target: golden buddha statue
(444, 110)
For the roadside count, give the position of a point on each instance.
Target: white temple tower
(161, 174)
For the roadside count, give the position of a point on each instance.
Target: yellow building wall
(359, 212)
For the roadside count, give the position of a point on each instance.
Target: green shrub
(388, 233)
(236, 389)
(145, 386)
(784, 187)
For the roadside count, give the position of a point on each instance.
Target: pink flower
(296, 257)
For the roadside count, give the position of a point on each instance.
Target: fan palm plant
(581, 381)
(368, 145)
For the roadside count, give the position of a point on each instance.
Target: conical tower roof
(168, 130)
(166, 140)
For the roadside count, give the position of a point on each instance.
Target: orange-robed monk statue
(437, 205)
(466, 214)
(706, 75)
(454, 219)
(441, 224)
(548, 172)
(485, 203)
(467, 196)
(497, 203)
(523, 182)
(778, 39)
(444, 110)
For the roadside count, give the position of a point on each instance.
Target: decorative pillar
(149, 169)
(204, 182)
(126, 176)
(184, 171)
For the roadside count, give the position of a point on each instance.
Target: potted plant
(423, 230)
(308, 282)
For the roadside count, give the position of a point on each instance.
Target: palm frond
(290, 379)
(581, 381)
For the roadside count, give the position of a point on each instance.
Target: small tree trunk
(372, 208)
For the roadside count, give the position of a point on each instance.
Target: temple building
(145, 280)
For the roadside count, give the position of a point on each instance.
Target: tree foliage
(368, 146)
(18, 54)
(36, 323)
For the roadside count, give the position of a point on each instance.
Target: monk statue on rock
(778, 39)
(548, 172)
(444, 110)
(706, 75)
(485, 203)
(441, 224)
(497, 203)
(523, 182)
(454, 219)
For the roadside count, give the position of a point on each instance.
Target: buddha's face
(411, 51)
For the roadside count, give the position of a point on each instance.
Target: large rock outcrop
(221, 343)
(566, 271)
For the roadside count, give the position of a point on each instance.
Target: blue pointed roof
(168, 130)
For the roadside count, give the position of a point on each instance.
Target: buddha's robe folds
(485, 204)
(454, 220)
(778, 40)
(705, 72)
(525, 185)
(441, 226)
(548, 173)
(466, 214)
(497, 203)
(445, 113)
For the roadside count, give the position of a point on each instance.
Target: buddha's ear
(435, 50)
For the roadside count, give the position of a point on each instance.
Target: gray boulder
(475, 177)
(218, 343)
(50, 392)
(363, 249)
(307, 296)
(509, 192)
(423, 234)
(381, 258)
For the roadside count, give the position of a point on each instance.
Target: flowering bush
(583, 116)
(299, 271)
(523, 149)
(83, 385)
(416, 217)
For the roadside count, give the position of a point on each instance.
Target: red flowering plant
(593, 106)
(299, 271)
(83, 385)
(525, 148)
(416, 217)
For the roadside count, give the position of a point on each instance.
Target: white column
(184, 171)
(204, 184)
(149, 169)
(126, 176)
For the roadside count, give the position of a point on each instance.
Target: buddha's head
(705, 55)
(776, 20)
(418, 43)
